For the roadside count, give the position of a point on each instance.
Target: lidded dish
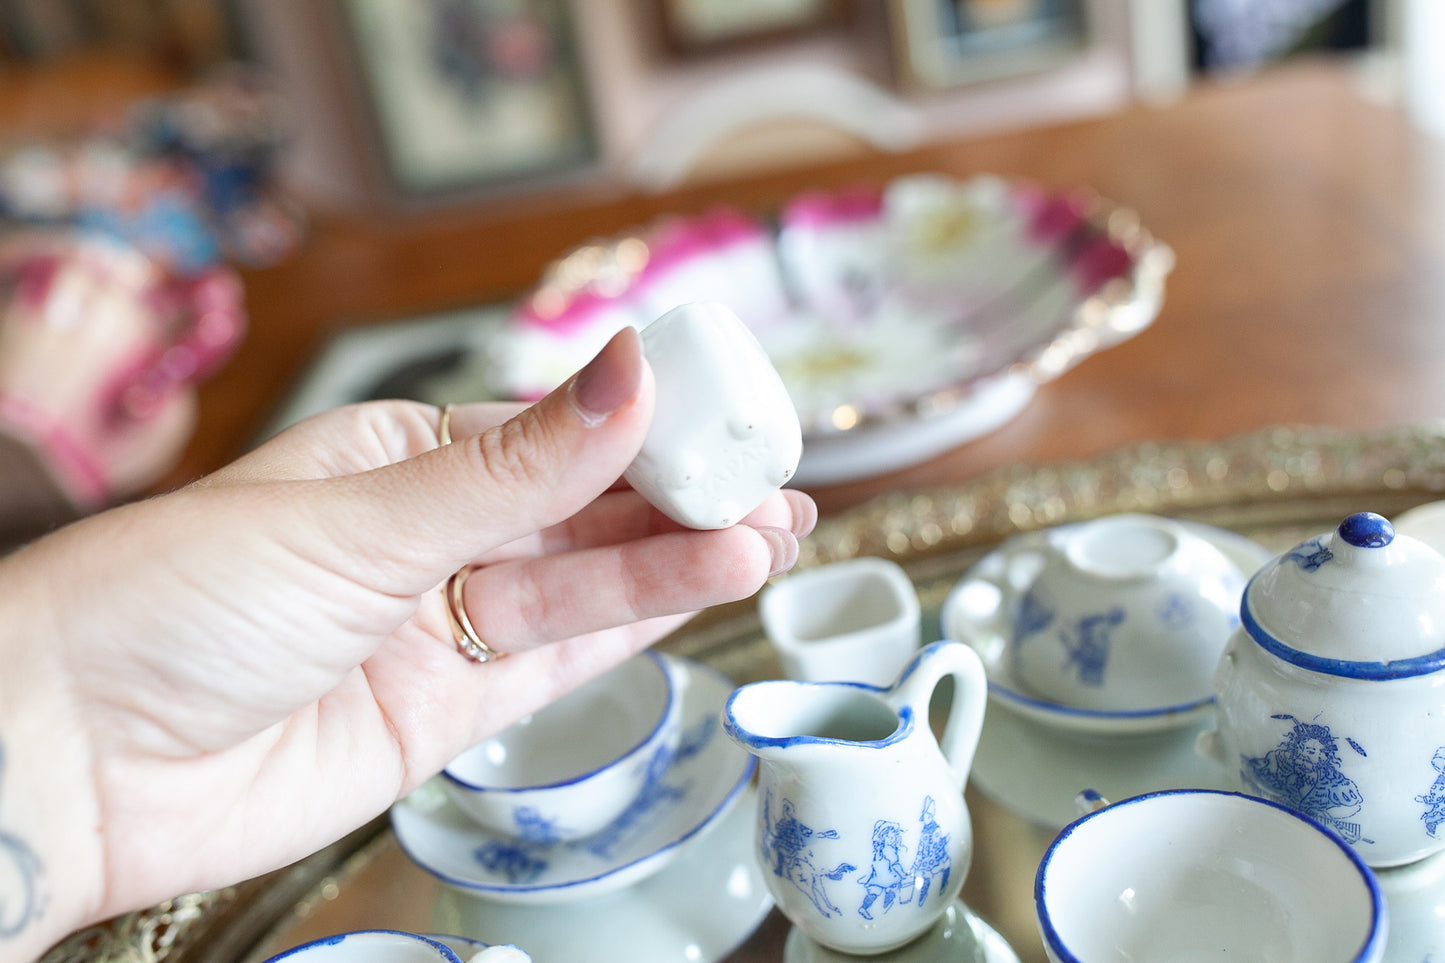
(1330, 696)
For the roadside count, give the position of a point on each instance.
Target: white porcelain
(682, 798)
(1415, 897)
(572, 768)
(957, 936)
(371, 946)
(1424, 522)
(1034, 769)
(1054, 571)
(475, 951)
(699, 908)
(851, 621)
(724, 433)
(1331, 695)
(861, 825)
(1204, 875)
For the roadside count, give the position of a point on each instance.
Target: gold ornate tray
(1277, 486)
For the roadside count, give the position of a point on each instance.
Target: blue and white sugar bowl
(1330, 697)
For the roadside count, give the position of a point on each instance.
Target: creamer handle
(914, 689)
(1208, 745)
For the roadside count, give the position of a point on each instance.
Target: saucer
(1247, 554)
(699, 908)
(1035, 769)
(959, 936)
(703, 782)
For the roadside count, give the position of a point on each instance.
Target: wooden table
(1308, 220)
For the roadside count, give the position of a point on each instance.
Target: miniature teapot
(1330, 697)
(863, 834)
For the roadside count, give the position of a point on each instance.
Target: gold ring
(469, 643)
(444, 427)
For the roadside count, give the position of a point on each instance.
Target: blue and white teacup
(1122, 613)
(1201, 874)
(371, 946)
(572, 767)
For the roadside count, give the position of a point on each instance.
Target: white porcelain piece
(699, 908)
(1205, 875)
(475, 951)
(1117, 654)
(1034, 769)
(851, 621)
(724, 433)
(1331, 695)
(958, 936)
(574, 766)
(680, 801)
(861, 826)
(1415, 897)
(371, 946)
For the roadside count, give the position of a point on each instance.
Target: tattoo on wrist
(21, 899)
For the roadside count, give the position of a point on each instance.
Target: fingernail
(805, 515)
(784, 548)
(610, 380)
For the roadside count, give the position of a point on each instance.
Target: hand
(215, 682)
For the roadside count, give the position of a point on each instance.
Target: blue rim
(448, 954)
(724, 804)
(582, 777)
(1373, 944)
(1344, 668)
(1059, 709)
(754, 741)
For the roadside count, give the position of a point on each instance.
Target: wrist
(50, 845)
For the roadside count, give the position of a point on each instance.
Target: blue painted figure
(514, 861)
(1087, 648)
(1034, 615)
(786, 845)
(932, 858)
(1176, 611)
(1434, 800)
(1310, 555)
(1303, 772)
(656, 792)
(886, 877)
(533, 827)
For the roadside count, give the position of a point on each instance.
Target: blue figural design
(1087, 646)
(1434, 798)
(1309, 555)
(525, 857)
(1034, 615)
(1303, 772)
(787, 848)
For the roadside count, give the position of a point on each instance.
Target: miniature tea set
(1273, 729)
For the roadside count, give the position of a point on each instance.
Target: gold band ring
(444, 426)
(469, 643)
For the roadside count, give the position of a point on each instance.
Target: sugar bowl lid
(1360, 602)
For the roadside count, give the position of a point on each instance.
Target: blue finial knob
(1367, 530)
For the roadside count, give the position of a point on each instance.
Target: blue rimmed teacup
(572, 767)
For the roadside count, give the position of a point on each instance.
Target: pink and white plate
(904, 320)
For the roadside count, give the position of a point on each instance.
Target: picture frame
(950, 43)
(470, 96)
(690, 27)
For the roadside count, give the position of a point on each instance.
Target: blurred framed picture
(695, 26)
(469, 95)
(948, 43)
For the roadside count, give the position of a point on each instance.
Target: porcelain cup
(372, 946)
(1121, 613)
(1206, 875)
(853, 621)
(571, 768)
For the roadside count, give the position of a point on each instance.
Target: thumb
(452, 504)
